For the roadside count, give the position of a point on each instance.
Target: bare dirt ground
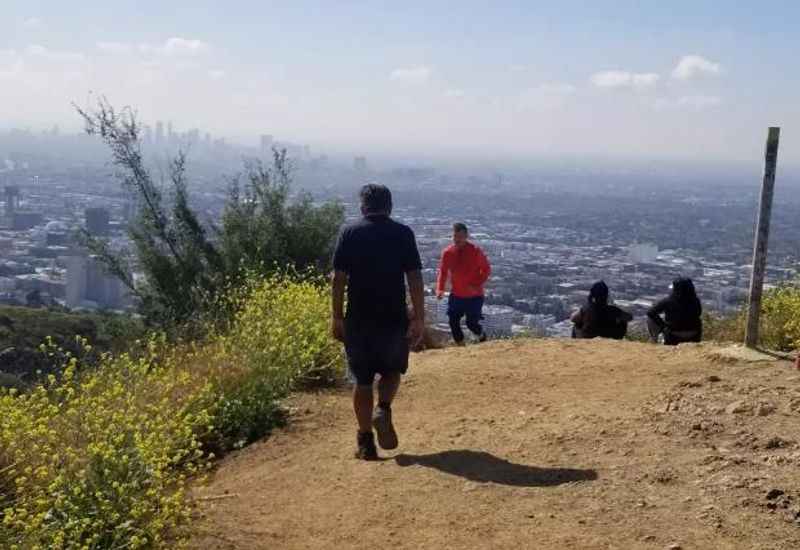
(544, 444)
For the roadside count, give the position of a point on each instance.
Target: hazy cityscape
(550, 231)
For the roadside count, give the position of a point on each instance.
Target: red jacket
(468, 267)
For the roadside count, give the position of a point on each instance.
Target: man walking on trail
(468, 268)
(374, 258)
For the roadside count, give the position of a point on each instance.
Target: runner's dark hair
(596, 304)
(376, 198)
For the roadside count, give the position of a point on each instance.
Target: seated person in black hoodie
(598, 318)
(682, 310)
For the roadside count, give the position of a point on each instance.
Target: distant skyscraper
(12, 200)
(22, 221)
(76, 280)
(148, 135)
(266, 144)
(159, 133)
(360, 164)
(97, 221)
(170, 134)
(642, 253)
(87, 280)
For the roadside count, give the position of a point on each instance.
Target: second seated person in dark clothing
(681, 311)
(599, 319)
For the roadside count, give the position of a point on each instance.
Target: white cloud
(624, 79)
(216, 74)
(690, 102)
(455, 93)
(11, 64)
(556, 88)
(699, 101)
(419, 73)
(690, 66)
(115, 47)
(172, 47)
(33, 24)
(645, 80)
(545, 97)
(56, 56)
(182, 46)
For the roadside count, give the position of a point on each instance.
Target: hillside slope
(533, 444)
(23, 330)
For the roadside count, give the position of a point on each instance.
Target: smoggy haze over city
(507, 80)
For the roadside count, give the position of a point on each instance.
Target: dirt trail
(545, 444)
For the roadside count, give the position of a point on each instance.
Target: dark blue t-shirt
(376, 253)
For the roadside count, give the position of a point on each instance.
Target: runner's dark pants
(459, 307)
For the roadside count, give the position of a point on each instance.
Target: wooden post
(761, 238)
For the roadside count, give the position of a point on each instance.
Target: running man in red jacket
(468, 268)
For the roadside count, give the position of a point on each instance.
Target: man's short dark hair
(376, 198)
(459, 227)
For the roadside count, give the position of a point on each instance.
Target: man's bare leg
(387, 388)
(362, 405)
(382, 419)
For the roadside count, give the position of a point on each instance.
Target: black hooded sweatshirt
(681, 309)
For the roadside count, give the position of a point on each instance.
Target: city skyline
(642, 80)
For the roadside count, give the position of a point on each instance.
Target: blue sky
(647, 79)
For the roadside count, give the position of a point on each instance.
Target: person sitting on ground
(682, 310)
(599, 319)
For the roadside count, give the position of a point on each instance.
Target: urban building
(97, 221)
(360, 164)
(90, 286)
(266, 144)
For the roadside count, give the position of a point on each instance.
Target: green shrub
(101, 458)
(186, 262)
(728, 328)
(779, 327)
(780, 318)
(279, 339)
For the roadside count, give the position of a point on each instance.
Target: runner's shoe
(382, 422)
(366, 447)
(482, 337)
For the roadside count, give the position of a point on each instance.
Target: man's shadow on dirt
(484, 467)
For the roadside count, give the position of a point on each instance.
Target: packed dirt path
(544, 444)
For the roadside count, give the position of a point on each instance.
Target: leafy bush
(22, 330)
(101, 458)
(780, 318)
(729, 328)
(185, 262)
(779, 322)
(278, 339)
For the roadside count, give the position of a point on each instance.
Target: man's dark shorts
(375, 349)
(471, 307)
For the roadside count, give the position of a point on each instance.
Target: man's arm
(337, 304)
(444, 268)
(484, 267)
(655, 312)
(416, 288)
